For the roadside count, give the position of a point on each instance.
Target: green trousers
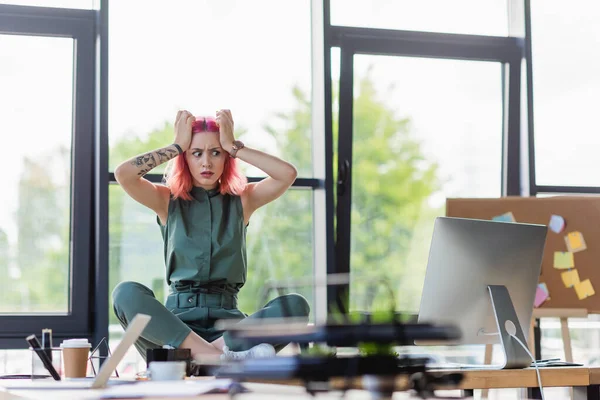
(189, 310)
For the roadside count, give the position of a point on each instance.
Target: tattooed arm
(130, 174)
(144, 163)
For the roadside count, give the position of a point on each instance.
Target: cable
(482, 332)
(537, 370)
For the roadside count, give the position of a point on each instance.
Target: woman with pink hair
(203, 211)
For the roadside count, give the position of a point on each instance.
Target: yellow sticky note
(584, 289)
(563, 260)
(575, 242)
(570, 278)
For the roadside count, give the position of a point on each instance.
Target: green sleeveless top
(205, 239)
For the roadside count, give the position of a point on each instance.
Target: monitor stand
(507, 322)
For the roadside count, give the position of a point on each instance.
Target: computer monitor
(481, 274)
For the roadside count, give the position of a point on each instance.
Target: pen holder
(38, 371)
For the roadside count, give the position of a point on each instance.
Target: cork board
(581, 214)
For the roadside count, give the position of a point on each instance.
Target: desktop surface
(578, 377)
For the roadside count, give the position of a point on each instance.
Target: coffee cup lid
(75, 343)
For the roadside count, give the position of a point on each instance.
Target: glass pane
(135, 245)
(566, 84)
(79, 4)
(463, 16)
(15, 362)
(37, 110)
(261, 70)
(585, 338)
(136, 254)
(424, 130)
(280, 249)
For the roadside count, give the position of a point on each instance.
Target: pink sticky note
(540, 297)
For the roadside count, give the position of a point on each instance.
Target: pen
(35, 345)
(47, 342)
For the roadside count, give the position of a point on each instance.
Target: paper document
(168, 389)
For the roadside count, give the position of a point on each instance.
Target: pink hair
(179, 178)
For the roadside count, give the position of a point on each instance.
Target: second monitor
(482, 277)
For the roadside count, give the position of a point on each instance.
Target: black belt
(193, 294)
(208, 300)
(199, 287)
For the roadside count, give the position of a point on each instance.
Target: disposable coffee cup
(75, 357)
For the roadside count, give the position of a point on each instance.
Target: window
(136, 246)
(464, 16)
(260, 68)
(424, 130)
(280, 250)
(35, 218)
(47, 77)
(420, 120)
(566, 59)
(135, 254)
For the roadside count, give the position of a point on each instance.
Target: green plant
(377, 349)
(319, 350)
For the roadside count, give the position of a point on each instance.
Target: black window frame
(78, 25)
(318, 184)
(508, 50)
(91, 177)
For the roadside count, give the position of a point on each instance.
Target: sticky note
(575, 242)
(544, 287)
(563, 260)
(556, 224)
(506, 217)
(584, 289)
(540, 297)
(570, 278)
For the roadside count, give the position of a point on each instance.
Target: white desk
(259, 391)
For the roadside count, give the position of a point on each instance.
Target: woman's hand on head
(225, 122)
(183, 129)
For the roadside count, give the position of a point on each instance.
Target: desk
(585, 382)
(259, 392)
(576, 377)
(525, 378)
(595, 381)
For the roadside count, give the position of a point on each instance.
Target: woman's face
(206, 159)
